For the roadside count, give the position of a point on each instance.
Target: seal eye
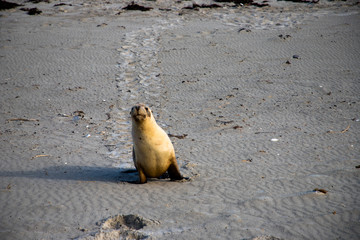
(148, 112)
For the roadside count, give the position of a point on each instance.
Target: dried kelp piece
(266, 237)
(245, 2)
(284, 37)
(23, 119)
(31, 11)
(320, 190)
(197, 6)
(4, 5)
(38, 1)
(244, 29)
(135, 7)
(302, 1)
(62, 4)
(34, 11)
(264, 4)
(342, 131)
(249, 160)
(40, 155)
(224, 122)
(178, 136)
(238, 2)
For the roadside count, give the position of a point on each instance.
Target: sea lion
(153, 152)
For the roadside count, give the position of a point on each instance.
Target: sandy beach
(262, 104)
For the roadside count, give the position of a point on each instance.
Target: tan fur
(153, 152)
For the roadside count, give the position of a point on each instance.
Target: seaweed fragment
(38, 1)
(4, 5)
(62, 4)
(197, 6)
(264, 4)
(244, 29)
(237, 2)
(320, 190)
(23, 119)
(224, 122)
(178, 136)
(31, 11)
(135, 7)
(245, 2)
(302, 1)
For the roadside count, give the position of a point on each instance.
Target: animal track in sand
(125, 227)
(121, 227)
(126, 222)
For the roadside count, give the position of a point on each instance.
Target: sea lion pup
(153, 152)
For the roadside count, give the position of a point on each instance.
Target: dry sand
(267, 100)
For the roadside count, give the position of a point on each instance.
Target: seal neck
(145, 125)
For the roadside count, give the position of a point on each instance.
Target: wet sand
(266, 99)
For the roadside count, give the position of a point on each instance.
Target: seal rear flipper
(165, 175)
(174, 172)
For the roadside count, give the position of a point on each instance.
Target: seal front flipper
(142, 176)
(134, 158)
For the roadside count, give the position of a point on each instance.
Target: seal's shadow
(78, 173)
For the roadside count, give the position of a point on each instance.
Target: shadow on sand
(78, 173)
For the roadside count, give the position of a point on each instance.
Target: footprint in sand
(121, 227)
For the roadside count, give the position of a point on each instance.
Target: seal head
(140, 112)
